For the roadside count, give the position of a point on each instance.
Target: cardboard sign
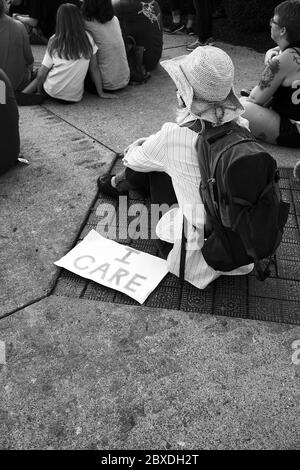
(116, 266)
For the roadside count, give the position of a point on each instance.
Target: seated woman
(167, 163)
(273, 106)
(101, 22)
(142, 21)
(70, 53)
(9, 125)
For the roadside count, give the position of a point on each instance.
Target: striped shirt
(173, 150)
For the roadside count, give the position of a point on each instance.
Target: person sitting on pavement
(166, 163)
(141, 23)
(273, 106)
(16, 57)
(9, 125)
(70, 53)
(100, 21)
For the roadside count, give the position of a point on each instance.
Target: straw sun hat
(204, 80)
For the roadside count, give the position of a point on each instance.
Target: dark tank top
(286, 99)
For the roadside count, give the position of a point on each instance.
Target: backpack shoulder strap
(183, 251)
(213, 134)
(195, 126)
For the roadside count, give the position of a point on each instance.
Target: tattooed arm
(273, 75)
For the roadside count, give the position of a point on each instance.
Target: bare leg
(264, 122)
(31, 88)
(190, 21)
(176, 16)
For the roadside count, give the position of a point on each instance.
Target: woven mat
(276, 299)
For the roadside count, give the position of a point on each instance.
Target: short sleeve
(47, 60)
(26, 46)
(93, 44)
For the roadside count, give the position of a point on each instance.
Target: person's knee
(248, 105)
(252, 111)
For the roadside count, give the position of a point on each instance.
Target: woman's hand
(271, 53)
(136, 143)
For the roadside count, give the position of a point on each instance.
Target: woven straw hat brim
(216, 112)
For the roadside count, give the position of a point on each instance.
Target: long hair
(70, 40)
(99, 10)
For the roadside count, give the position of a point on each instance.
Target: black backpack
(245, 214)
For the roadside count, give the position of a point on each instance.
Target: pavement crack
(79, 130)
(28, 304)
(175, 47)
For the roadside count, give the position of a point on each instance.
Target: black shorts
(289, 136)
(46, 96)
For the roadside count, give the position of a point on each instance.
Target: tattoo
(269, 73)
(261, 136)
(296, 58)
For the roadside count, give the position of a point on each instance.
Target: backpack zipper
(211, 182)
